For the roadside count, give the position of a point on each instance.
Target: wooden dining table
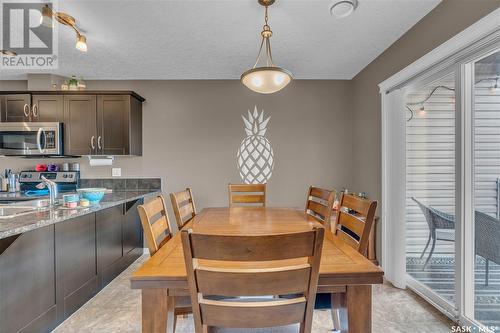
(342, 270)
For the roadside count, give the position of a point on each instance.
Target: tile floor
(117, 309)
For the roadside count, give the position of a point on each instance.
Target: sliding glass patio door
(452, 177)
(431, 188)
(484, 208)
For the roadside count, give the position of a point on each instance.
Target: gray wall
(446, 20)
(192, 130)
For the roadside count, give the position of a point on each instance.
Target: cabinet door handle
(26, 110)
(92, 144)
(99, 142)
(35, 111)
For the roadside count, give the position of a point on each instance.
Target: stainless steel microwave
(31, 139)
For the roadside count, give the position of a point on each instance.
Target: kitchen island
(54, 260)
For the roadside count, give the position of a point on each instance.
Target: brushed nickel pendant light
(267, 79)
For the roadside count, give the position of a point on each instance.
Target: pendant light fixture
(267, 79)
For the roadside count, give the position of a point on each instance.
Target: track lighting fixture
(47, 20)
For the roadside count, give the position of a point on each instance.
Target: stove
(67, 181)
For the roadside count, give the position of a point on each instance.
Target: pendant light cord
(266, 34)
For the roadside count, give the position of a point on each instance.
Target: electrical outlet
(116, 172)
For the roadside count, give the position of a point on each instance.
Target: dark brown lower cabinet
(77, 280)
(132, 229)
(28, 282)
(109, 243)
(48, 273)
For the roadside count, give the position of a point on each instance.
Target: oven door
(30, 139)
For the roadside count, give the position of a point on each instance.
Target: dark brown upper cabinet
(80, 135)
(95, 122)
(119, 125)
(47, 108)
(15, 107)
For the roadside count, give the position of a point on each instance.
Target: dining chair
(353, 225)
(158, 231)
(184, 207)
(354, 221)
(242, 194)
(319, 204)
(232, 280)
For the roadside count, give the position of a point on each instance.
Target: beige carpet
(117, 309)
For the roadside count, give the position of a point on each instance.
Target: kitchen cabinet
(119, 125)
(28, 282)
(102, 125)
(15, 107)
(77, 280)
(95, 122)
(48, 108)
(48, 273)
(80, 137)
(132, 228)
(109, 243)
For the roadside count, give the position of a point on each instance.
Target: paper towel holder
(101, 160)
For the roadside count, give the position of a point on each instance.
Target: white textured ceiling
(214, 39)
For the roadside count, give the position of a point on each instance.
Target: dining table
(343, 270)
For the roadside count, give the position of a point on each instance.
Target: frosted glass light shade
(81, 43)
(46, 19)
(266, 80)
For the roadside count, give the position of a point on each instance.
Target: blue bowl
(93, 195)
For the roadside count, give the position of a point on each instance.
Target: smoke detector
(343, 8)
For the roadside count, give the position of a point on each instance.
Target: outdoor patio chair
(487, 234)
(441, 227)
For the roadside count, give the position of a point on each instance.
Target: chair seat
(281, 329)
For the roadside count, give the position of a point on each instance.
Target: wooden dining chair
(184, 207)
(242, 194)
(354, 221)
(232, 280)
(353, 225)
(319, 204)
(158, 231)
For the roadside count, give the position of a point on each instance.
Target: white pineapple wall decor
(255, 155)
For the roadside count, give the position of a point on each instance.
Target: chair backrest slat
(234, 266)
(155, 223)
(184, 207)
(355, 220)
(260, 314)
(319, 204)
(247, 194)
(232, 283)
(252, 248)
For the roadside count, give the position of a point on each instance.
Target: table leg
(339, 311)
(154, 310)
(359, 308)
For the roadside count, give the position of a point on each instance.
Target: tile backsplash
(122, 184)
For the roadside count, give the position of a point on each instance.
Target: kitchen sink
(14, 210)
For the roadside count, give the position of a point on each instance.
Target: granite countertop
(44, 217)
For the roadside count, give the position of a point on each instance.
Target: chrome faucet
(52, 187)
